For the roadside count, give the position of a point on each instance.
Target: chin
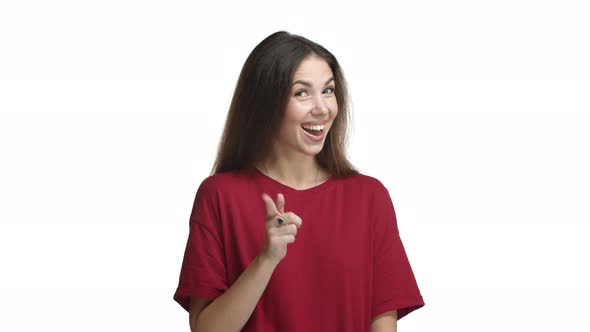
(313, 150)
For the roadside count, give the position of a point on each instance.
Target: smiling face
(311, 99)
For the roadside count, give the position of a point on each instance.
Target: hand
(277, 237)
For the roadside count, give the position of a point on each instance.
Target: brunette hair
(260, 99)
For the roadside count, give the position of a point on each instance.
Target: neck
(298, 174)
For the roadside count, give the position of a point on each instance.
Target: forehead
(312, 68)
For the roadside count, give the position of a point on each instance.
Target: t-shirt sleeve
(203, 271)
(394, 284)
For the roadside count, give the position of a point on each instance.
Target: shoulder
(223, 182)
(375, 193)
(365, 183)
(213, 190)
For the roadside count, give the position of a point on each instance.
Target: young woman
(346, 268)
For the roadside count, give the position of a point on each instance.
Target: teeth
(316, 127)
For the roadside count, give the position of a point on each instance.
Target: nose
(320, 104)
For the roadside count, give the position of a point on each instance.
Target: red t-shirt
(346, 266)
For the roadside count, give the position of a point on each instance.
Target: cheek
(291, 122)
(334, 102)
(295, 114)
(333, 106)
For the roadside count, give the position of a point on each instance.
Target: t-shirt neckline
(285, 188)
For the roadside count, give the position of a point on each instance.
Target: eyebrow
(309, 84)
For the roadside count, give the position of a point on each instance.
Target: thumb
(280, 203)
(271, 208)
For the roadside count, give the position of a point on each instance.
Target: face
(311, 99)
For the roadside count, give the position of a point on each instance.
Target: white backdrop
(474, 115)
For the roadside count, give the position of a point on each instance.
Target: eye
(299, 92)
(331, 88)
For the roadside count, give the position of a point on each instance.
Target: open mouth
(314, 132)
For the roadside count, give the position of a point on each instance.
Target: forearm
(231, 310)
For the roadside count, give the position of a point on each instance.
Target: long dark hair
(260, 99)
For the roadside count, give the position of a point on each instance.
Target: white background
(473, 114)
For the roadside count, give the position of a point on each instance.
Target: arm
(386, 322)
(232, 309)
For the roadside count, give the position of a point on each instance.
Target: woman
(346, 268)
